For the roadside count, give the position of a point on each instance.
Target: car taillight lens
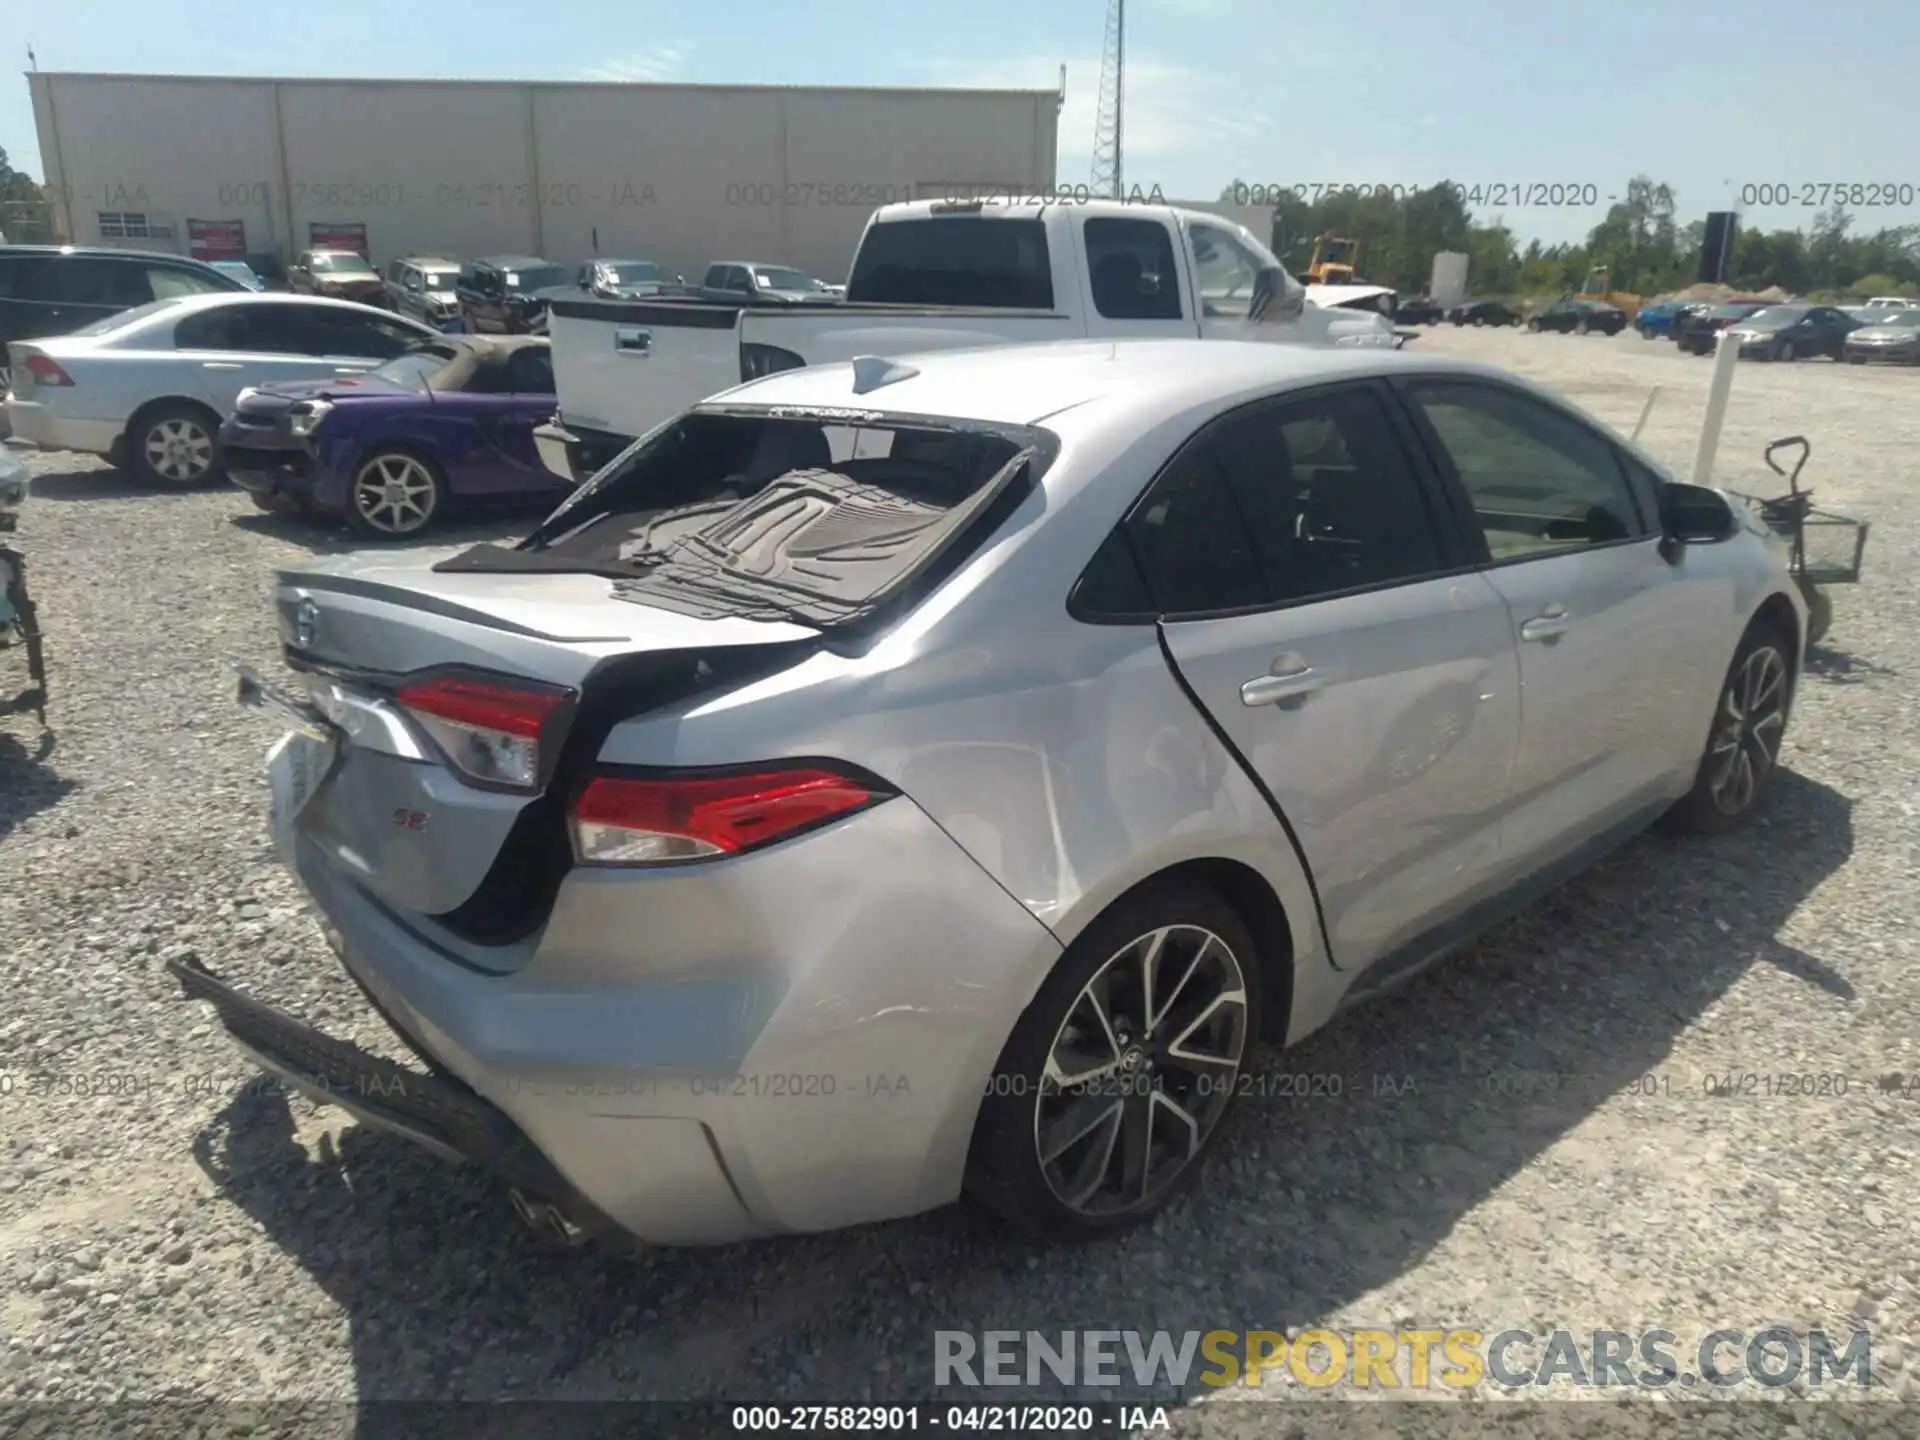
(492, 732)
(620, 820)
(759, 360)
(46, 372)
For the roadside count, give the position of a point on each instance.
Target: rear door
(86, 288)
(1133, 277)
(1610, 633)
(1319, 603)
(224, 349)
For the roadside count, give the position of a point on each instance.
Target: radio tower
(1107, 122)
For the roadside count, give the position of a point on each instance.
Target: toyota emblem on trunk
(306, 624)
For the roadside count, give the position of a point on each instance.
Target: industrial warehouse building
(680, 174)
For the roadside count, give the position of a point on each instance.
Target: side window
(1132, 268)
(1226, 272)
(94, 280)
(1191, 541)
(1112, 587)
(1330, 499)
(168, 281)
(364, 337)
(530, 371)
(716, 277)
(23, 277)
(224, 327)
(1539, 481)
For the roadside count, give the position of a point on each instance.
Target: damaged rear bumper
(434, 1110)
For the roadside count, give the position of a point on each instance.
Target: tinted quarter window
(1132, 267)
(1539, 481)
(1192, 542)
(1112, 587)
(22, 277)
(954, 260)
(1330, 499)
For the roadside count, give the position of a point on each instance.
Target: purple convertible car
(449, 422)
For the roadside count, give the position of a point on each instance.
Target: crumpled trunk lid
(393, 813)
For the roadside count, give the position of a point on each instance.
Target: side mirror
(1695, 515)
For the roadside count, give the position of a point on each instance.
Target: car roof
(511, 262)
(113, 251)
(427, 260)
(1143, 381)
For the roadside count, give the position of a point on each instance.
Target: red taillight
(491, 731)
(622, 821)
(46, 372)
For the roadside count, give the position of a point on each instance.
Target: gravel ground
(195, 1235)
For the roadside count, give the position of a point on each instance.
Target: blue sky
(1707, 95)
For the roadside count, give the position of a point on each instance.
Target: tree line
(1648, 250)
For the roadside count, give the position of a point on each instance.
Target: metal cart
(1826, 549)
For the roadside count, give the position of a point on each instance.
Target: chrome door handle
(1549, 624)
(219, 365)
(1289, 678)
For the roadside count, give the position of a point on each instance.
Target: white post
(1724, 359)
(1645, 411)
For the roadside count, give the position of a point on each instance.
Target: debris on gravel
(1531, 1136)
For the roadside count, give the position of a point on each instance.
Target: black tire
(1718, 801)
(1582, 326)
(1004, 1169)
(175, 444)
(1533, 327)
(273, 504)
(393, 518)
(1785, 352)
(1856, 359)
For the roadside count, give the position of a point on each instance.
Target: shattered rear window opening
(825, 518)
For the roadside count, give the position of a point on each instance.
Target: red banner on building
(338, 235)
(217, 239)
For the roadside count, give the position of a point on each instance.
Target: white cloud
(655, 63)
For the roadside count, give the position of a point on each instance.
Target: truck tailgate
(627, 367)
(838, 333)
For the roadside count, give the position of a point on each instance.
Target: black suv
(508, 294)
(54, 289)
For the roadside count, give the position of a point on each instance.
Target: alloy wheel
(395, 494)
(1747, 730)
(1786, 350)
(1141, 1070)
(179, 449)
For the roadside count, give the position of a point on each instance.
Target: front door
(1608, 629)
(1319, 605)
(1133, 279)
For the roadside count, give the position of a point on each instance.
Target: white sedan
(148, 388)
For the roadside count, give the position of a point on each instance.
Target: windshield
(126, 317)
(1900, 319)
(415, 368)
(536, 277)
(342, 265)
(441, 279)
(773, 277)
(635, 272)
(1774, 317)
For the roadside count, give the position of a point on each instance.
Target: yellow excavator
(1599, 286)
(1333, 261)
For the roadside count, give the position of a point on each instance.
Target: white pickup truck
(937, 275)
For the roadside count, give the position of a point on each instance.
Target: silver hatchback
(912, 778)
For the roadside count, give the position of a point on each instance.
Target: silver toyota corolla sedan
(904, 779)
